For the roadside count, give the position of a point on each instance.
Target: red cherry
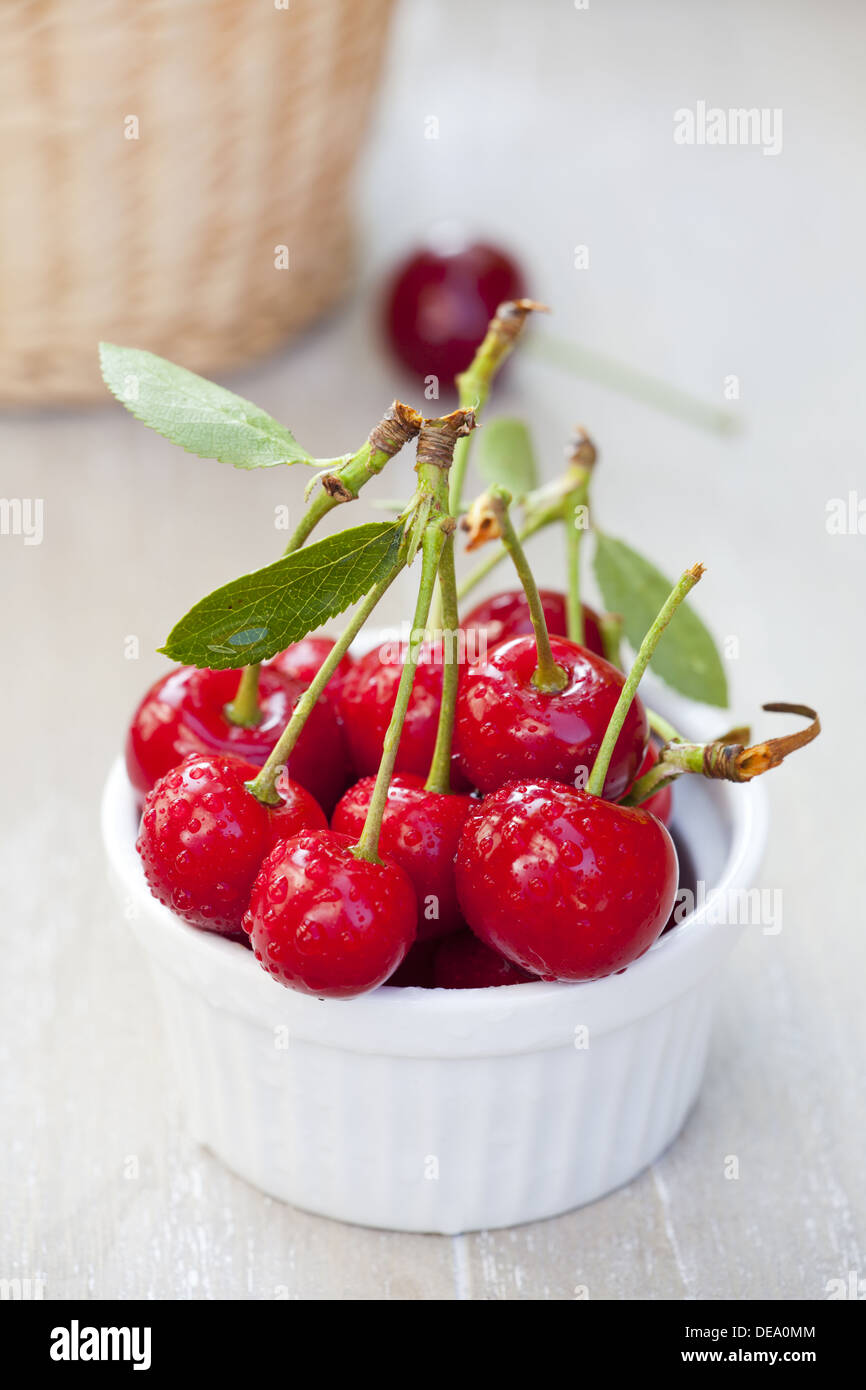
(417, 969)
(507, 615)
(439, 305)
(506, 729)
(203, 837)
(662, 803)
(184, 713)
(464, 962)
(420, 832)
(564, 884)
(327, 923)
(366, 702)
(301, 661)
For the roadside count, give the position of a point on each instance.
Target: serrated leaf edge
(306, 458)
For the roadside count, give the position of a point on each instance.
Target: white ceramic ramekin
(445, 1110)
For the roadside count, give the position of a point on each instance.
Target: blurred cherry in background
(440, 300)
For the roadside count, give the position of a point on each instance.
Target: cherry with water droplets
(420, 832)
(507, 729)
(185, 712)
(366, 701)
(203, 837)
(562, 883)
(507, 615)
(326, 922)
(301, 662)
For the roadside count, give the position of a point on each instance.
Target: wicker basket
(154, 157)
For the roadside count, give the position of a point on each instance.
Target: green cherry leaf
(201, 417)
(686, 657)
(256, 616)
(506, 458)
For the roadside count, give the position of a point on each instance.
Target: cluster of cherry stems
(474, 787)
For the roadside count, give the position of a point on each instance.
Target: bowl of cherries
(436, 915)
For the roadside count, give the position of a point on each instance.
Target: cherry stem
(581, 455)
(473, 389)
(727, 759)
(473, 385)
(611, 626)
(573, 538)
(543, 507)
(264, 787)
(548, 677)
(499, 553)
(684, 585)
(631, 381)
(431, 549)
(245, 710)
(399, 424)
(319, 507)
(439, 778)
(436, 442)
(662, 726)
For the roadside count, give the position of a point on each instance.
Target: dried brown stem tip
(437, 437)
(511, 316)
(580, 451)
(335, 488)
(734, 763)
(483, 522)
(741, 734)
(727, 759)
(398, 425)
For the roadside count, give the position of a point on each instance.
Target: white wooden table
(704, 262)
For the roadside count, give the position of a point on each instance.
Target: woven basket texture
(154, 158)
